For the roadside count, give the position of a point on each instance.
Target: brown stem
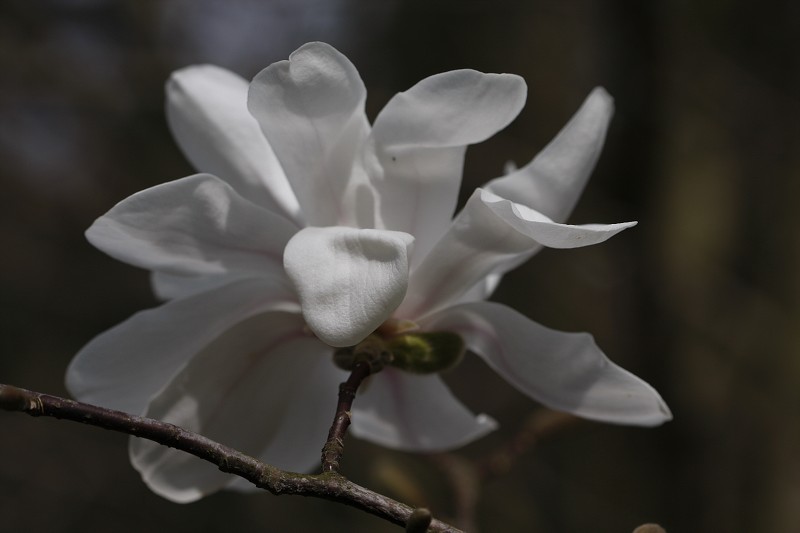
(465, 484)
(539, 425)
(328, 485)
(334, 446)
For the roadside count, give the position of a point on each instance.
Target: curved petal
(169, 286)
(349, 280)
(488, 237)
(485, 287)
(415, 413)
(544, 231)
(297, 446)
(125, 366)
(195, 225)
(207, 113)
(552, 182)
(565, 371)
(265, 388)
(420, 138)
(311, 110)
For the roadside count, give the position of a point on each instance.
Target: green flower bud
(426, 353)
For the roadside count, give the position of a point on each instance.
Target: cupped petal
(415, 413)
(207, 113)
(487, 238)
(564, 371)
(349, 280)
(420, 138)
(552, 182)
(125, 366)
(265, 388)
(311, 110)
(195, 225)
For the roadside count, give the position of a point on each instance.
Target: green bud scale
(416, 352)
(426, 353)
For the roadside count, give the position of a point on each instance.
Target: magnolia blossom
(310, 230)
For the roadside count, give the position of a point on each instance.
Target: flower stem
(328, 485)
(539, 425)
(334, 447)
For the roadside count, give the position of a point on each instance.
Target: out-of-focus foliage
(702, 299)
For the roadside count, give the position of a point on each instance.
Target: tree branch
(328, 485)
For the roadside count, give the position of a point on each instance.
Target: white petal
(482, 290)
(349, 280)
(552, 182)
(125, 366)
(264, 388)
(195, 225)
(453, 108)
(298, 446)
(311, 109)
(414, 413)
(207, 113)
(420, 138)
(565, 371)
(488, 237)
(544, 231)
(169, 286)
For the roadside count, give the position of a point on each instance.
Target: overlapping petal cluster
(307, 230)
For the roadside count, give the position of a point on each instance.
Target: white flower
(319, 223)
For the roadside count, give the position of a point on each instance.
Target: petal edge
(569, 372)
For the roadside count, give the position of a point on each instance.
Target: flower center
(400, 344)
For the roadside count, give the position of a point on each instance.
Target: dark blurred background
(701, 299)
